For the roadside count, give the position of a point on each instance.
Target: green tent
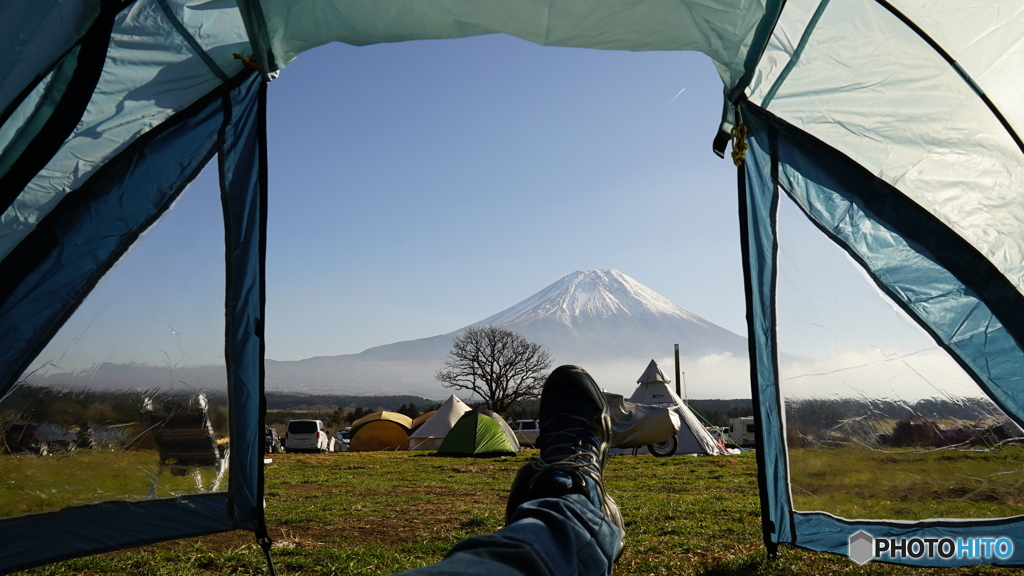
(480, 433)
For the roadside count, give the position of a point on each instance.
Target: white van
(307, 436)
(743, 432)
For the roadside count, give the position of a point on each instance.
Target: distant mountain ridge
(586, 317)
(591, 318)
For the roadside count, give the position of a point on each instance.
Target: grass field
(908, 485)
(379, 513)
(31, 484)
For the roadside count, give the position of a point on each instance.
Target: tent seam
(795, 58)
(192, 42)
(957, 68)
(97, 25)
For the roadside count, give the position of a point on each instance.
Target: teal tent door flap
(944, 286)
(229, 122)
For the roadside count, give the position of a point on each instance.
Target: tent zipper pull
(739, 144)
(249, 63)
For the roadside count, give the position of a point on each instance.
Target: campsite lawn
(908, 484)
(379, 513)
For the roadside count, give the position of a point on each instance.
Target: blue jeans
(565, 536)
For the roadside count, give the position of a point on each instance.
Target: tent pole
(679, 392)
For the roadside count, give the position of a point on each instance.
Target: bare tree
(501, 367)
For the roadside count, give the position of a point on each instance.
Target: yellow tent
(380, 431)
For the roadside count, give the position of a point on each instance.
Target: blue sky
(419, 187)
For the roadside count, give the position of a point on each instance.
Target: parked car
(526, 431)
(342, 440)
(273, 445)
(307, 436)
(39, 438)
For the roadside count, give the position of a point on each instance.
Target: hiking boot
(575, 429)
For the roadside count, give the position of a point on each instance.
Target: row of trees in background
(77, 408)
(719, 412)
(930, 422)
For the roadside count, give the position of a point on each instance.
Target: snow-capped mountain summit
(606, 314)
(591, 294)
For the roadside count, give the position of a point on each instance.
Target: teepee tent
(893, 128)
(432, 432)
(692, 438)
(480, 433)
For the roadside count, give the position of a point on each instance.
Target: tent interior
(886, 135)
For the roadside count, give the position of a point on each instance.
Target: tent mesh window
(128, 401)
(880, 422)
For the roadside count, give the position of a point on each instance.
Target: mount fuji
(602, 320)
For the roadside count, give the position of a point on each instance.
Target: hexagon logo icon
(861, 547)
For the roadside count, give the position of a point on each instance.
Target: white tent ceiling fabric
(912, 120)
(723, 29)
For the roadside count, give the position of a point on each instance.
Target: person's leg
(560, 521)
(563, 536)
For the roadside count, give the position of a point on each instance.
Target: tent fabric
(122, 106)
(480, 433)
(419, 420)
(229, 121)
(431, 434)
(653, 374)
(106, 119)
(930, 209)
(935, 277)
(379, 435)
(383, 415)
(107, 112)
(383, 430)
(895, 127)
(723, 29)
(856, 107)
